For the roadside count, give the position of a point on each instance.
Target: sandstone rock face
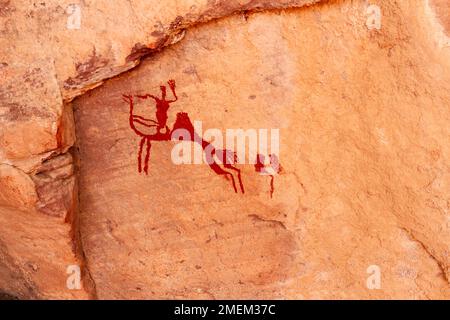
(363, 119)
(440, 8)
(52, 51)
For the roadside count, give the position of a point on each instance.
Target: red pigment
(227, 158)
(260, 167)
(162, 106)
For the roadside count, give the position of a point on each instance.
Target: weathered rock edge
(50, 175)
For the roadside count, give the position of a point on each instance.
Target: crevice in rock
(168, 35)
(54, 179)
(92, 77)
(276, 223)
(440, 264)
(177, 31)
(87, 278)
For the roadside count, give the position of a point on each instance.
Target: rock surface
(363, 118)
(52, 51)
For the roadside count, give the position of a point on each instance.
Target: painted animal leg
(147, 155)
(271, 186)
(141, 145)
(228, 166)
(232, 180)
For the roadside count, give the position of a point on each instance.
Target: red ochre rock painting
(221, 161)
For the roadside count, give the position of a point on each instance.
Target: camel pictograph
(221, 161)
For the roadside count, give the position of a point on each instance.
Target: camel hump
(182, 115)
(183, 122)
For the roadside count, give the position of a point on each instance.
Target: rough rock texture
(440, 8)
(44, 63)
(50, 62)
(363, 117)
